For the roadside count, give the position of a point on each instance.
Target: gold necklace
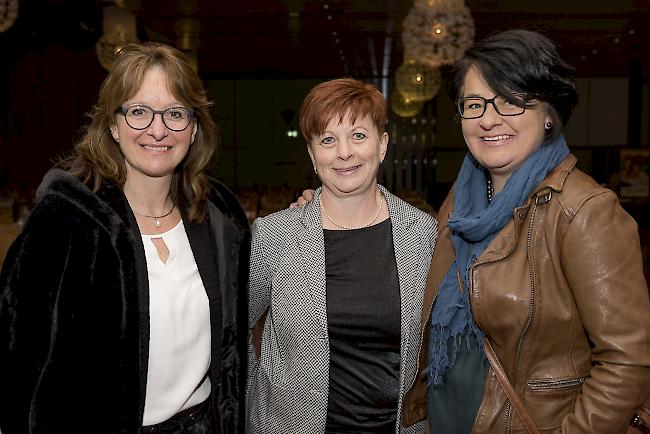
(352, 227)
(156, 218)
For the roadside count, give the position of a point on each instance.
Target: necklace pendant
(156, 219)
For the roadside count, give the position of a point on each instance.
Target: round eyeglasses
(474, 107)
(139, 116)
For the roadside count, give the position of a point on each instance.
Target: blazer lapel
(312, 252)
(210, 270)
(404, 240)
(204, 255)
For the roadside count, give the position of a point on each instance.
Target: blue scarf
(474, 223)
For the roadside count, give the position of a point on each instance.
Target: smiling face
(156, 150)
(501, 143)
(347, 155)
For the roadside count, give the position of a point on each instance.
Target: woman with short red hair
(336, 286)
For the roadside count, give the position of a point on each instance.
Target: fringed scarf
(474, 223)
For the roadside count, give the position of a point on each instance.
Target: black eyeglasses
(474, 107)
(139, 116)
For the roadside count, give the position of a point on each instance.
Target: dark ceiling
(331, 38)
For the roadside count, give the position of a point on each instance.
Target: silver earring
(548, 125)
(315, 171)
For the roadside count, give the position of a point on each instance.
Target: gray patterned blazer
(288, 385)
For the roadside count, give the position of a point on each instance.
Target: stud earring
(548, 125)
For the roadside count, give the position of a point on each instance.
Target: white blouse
(179, 316)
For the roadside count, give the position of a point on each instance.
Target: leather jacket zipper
(565, 383)
(539, 199)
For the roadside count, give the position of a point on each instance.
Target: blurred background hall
(259, 58)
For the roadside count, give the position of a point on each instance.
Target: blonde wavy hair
(97, 156)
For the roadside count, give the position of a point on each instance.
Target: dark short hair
(522, 61)
(338, 98)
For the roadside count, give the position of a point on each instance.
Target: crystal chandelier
(417, 81)
(437, 32)
(403, 106)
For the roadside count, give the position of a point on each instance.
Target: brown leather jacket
(560, 292)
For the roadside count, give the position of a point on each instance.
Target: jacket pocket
(549, 400)
(555, 384)
(276, 409)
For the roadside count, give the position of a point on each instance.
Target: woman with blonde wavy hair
(119, 303)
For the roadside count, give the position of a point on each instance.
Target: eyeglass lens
(140, 117)
(474, 107)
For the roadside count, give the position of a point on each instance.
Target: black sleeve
(32, 274)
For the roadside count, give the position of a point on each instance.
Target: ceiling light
(437, 32)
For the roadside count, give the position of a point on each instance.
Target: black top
(363, 313)
(452, 406)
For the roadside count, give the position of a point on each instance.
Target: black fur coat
(74, 312)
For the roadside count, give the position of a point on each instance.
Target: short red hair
(341, 97)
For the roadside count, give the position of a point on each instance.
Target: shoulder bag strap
(508, 389)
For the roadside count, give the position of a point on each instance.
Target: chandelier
(8, 14)
(437, 32)
(403, 106)
(119, 30)
(417, 81)
(187, 32)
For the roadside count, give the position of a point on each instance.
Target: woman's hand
(307, 196)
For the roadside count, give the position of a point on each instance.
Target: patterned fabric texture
(288, 385)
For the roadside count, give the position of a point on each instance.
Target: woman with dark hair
(537, 267)
(336, 287)
(119, 302)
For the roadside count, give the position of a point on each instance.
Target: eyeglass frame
(124, 110)
(523, 96)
